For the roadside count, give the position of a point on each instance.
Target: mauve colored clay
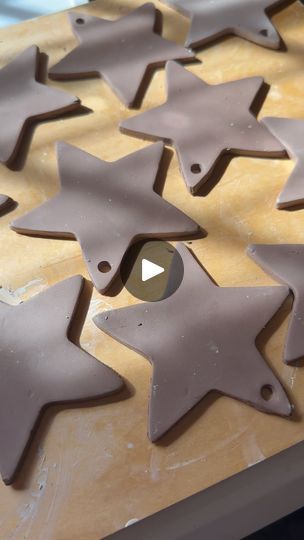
(106, 207)
(285, 262)
(5, 202)
(119, 51)
(290, 132)
(204, 121)
(23, 99)
(212, 19)
(202, 338)
(40, 366)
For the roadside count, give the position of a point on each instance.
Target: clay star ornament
(23, 100)
(211, 19)
(40, 366)
(285, 263)
(106, 207)
(290, 133)
(204, 121)
(201, 338)
(119, 51)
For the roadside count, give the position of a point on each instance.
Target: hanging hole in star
(266, 392)
(104, 267)
(140, 324)
(80, 20)
(264, 32)
(196, 168)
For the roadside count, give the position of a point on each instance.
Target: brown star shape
(106, 207)
(119, 51)
(211, 19)
(23, 100)
(290, 133)
(202, 338)
(39, 366)
(204, 121)
(285, 262)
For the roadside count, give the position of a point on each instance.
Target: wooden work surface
(91, 470)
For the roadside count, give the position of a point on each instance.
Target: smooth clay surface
(204, 122)
(40, 365)
(24, 99)
(200, 339)
(211, 20)
(106, 207)
(92, 470)
(120, 51)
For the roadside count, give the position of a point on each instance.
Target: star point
(290, 132)
(5, 203)
(285, 262)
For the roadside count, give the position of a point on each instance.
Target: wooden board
(93, 469)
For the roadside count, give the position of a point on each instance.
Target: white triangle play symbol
(150, 270)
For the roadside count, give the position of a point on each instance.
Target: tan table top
(91, 470)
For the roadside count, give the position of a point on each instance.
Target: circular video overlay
(152, 270)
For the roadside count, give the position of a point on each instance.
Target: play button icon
(152, 270)
(149, 270)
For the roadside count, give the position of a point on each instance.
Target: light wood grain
(91, 470)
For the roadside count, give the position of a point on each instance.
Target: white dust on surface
(14, 297)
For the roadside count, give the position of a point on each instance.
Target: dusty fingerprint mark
(251, 450)
(28, 511)
(62, 471)
(202, 458)
(154, 467)
(14, 297)
(185, 463)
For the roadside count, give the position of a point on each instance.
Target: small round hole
(266, 392)
(264, 32)
(80, 20)
(196, 168)
(140, 324)
(104, 267)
